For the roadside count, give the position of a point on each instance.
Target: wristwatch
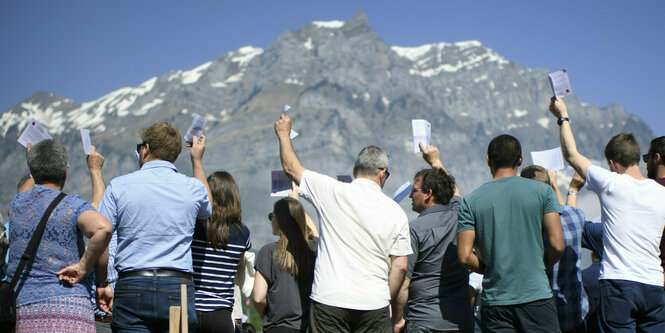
(102, 284)
(562, 119)
(571, 192)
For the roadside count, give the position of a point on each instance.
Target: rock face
(348, 89)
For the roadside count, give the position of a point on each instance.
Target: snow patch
(218, 85)
(245, 54)
(366, 96)
(480, 78)
(295, 81)
(184, 111)
(385, 101)
(308, 44)
(544, 122)
(146, 107)
(417, 52)
(328, 24)
(520, 113)
(194, 75)
(467, 44)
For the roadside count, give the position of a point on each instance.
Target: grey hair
(370, 161)
(47, 162)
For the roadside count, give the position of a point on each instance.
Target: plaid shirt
(566, 275)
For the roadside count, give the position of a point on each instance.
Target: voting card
(560, 83)
(85, 138)
(281, 184)
(551, 159)
(422, 131)
(402, 192)
(293, 133)
(33, 133)
(196, 128)
(344, 178)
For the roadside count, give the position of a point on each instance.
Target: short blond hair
(164, 141)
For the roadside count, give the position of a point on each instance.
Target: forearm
(555, 187)
(473, 263)
(311, 225)
(571, 200)
(198, 173)
(292, 166)
(98, 187)
(97, 251)
(399, 303)
(260, 307)
(551, 257)
(101, 266)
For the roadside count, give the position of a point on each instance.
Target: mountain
(348, 89)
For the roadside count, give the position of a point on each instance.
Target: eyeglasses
(645, 158)
(139, 145)
(270, 216)
(415, 189)
(387, 173)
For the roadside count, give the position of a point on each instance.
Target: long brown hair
(226, 209)
(292, 251)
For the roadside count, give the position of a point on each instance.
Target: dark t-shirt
(287, 301)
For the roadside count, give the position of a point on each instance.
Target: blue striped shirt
(215, 270)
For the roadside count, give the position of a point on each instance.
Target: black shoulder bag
(7, 295)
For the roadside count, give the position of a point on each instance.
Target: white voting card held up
(33, 133)
(196, 128)
(85, 138)
(551, 159)
(281, 184)
(293, 133)
(402, 192)
(422, 131)
(560, 83)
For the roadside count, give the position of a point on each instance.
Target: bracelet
(571, 192)
(102, 284)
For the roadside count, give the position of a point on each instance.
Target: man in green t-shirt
(505, 219)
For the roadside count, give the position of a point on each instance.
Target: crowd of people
(504, 258)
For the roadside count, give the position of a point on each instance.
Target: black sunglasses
(645, 158)
(270, 216)
(387, 173)
(138, 146)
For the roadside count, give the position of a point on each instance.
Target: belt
(156, 272)
(106, 319)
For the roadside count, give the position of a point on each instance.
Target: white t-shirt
(633, 216)
(360, 228)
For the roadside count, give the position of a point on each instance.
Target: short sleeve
(205, 209)
(82, 206)
(402, 244)
(413, 257)
(248, 242)
(592, 237)
(314, 185)
(551, 201)
(264, 263)
(465, 219)
(598, 179)
(108, 206)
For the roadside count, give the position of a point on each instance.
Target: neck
(504, 172)
(633, 171)
(375, 179)
(661, 171)
(52, 186)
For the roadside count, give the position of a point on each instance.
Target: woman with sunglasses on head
(219, 244)
(285, 269)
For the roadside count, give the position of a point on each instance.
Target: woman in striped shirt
(218, 245)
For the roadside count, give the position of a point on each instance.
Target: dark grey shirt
(439, 289)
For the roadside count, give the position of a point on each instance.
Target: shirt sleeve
(108, 206)
(314, 186)
(205, 208)
(413, 257)
(551, 201)
(598, 179)
(248, 243)
(402, 244)
(264, 263)
(465, 218)
(592, 237)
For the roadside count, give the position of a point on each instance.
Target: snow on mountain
(194, 75)
(328, 24)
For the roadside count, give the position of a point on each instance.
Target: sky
(613, 50)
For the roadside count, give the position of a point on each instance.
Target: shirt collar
(368, 183)
(433, 209)
(159, 164)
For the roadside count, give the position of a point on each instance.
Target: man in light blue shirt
(154, 211)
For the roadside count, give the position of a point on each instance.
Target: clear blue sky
(613, 50)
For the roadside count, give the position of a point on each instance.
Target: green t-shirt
(507, 215)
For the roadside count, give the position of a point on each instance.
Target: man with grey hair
(361, 261)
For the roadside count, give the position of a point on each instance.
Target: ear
(519, 162)
(489, 163)
(430, 196)
(657, 158)
(147, 150)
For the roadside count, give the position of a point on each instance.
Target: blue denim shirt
(153, 211)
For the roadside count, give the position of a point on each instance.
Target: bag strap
(31, 250)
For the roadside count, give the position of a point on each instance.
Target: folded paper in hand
(281, 184)
(560, 83)
(422, 131)
(293, 133)
(549, 159)
(196, 128)
(33, 133)
(85, 138)
(402, 192)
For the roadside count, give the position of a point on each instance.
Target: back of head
(226, 208)
(623, 149)
(504, 151)
(292, 251)
(164, 141)
(370, 161)
(47, 162)
(536, 172)
(657, 146)
(441, 184)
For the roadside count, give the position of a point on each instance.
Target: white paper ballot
(33, 133)
(281, 184)
(293, 133)
(196, 128)
(286, 108)
(570, 172)
(560, 83)
(548, 159)
(422, 131)
(402, 192)
(85, 138)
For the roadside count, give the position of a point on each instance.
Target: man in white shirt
(361, 261)
(633, 217)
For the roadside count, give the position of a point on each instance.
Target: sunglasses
(139, 145)
(645, 158)
(270, 216)
(387, 173)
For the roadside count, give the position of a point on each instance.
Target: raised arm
(432, 157)
(568, 146)
(552, 227)
(576, 184)
(292, 166)
(398, 266)
(555, 187)
(95, 163)
(293, 193)
(198, 148)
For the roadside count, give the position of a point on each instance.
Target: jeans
(141, 304)
(627, 306)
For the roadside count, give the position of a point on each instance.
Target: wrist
(572, 192)
(102, 284)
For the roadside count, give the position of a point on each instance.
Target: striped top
(215, 270)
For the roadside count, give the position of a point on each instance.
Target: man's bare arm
(399, 304)
(555, 186)
(576, 184)
(95, 162)
(292, 166)
(552, 227)
(467, 257)
(395, 281)
(568, 146)
(432, 157)
(198, 148)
